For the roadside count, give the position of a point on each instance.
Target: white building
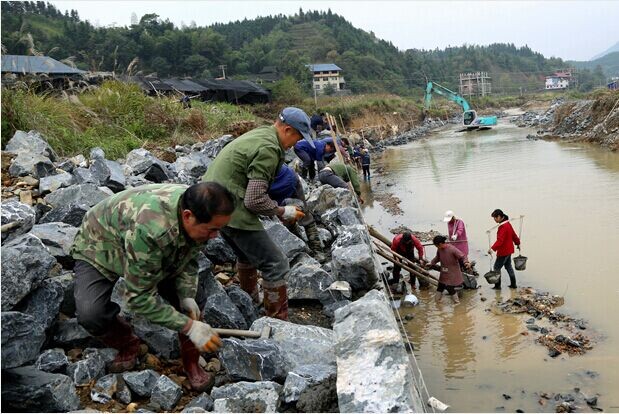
(327, 74)
(557, 82)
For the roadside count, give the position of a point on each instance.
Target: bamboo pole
(430, 280)
(407, 261)
(342, 122)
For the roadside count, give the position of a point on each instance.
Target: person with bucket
(504, 247)
(451, 276)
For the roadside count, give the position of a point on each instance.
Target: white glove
(203, 336)
(189, 306)
(292, 214)
(454, 237)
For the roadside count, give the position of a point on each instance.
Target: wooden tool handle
(237, 332)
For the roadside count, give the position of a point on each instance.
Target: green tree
(288, 91)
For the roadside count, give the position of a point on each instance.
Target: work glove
(454, 237)
(292, 214)
(203, 337)
(190, 307)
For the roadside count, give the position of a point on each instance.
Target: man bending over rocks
(151, 236)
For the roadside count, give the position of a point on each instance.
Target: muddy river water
(569, 195)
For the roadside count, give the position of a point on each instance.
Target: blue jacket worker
(309, 156)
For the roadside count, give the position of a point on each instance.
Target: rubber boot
(276, 300)
(455, 298)
(248, 276)
(120, 337)
(199, 379)
(512, 282)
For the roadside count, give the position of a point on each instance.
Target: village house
(559, 80)
(327, 74)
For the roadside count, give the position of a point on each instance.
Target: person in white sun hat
(456, 232)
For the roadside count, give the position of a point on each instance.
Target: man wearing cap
(456, 232)
(247, 167)
(310, 154)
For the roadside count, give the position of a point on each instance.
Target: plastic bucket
(520, 262)
(493, 276)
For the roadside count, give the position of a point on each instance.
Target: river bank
(50, 363)
(471, 354)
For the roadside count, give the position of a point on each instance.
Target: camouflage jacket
(137, 234)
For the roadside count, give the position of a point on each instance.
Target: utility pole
(223, 70)
(315, 100)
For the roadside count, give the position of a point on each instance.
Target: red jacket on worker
(399, 247)
(506, 237)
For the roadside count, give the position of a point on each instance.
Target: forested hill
(245, 47)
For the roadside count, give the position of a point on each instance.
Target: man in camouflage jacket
(150, 236)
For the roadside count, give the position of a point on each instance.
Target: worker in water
(405, 245)
(451, 259)
(506, 237)
(247, 166)
(288, 190)
(311, 153)
(150, 236)
(339, 175)
(456, 232)
(365, 163)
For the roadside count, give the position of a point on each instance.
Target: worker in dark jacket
(405, 245)
(506, 237)
(311, 155)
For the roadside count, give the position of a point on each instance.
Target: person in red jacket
(405, 244)
(506, 237)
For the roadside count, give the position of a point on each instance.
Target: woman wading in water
(451, 275)
(506, 237)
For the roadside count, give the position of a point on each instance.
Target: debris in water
(507, 396)
(436, 404)
(390, 203)
(424, 236)
(577, 345)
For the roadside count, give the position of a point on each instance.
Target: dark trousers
(307, 164)
(327, 176)
(95, 310)
(396, 276)
(366, 171)
(505, 261)
(255, 248)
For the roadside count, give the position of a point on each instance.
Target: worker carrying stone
(311, 153)
(151, 237)
(288, 190)
(247, 166)
(405, 245)
(338, 175)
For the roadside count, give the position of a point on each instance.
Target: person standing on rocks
(457, 232)
(287, 190)
(339, 175)
(405, 245)
(151, 236)
(451, 260)
(310, 153)
(247, 166)
(506, 237)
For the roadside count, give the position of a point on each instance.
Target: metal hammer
(264, 334)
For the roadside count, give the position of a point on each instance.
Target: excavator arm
(433, 87)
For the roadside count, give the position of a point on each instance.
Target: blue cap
(299, 120)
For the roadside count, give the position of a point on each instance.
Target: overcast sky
(575, 30)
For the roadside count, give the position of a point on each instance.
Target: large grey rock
(351, 235)
(25, 263)
(43, 304)
(141, 382)
(212, 147)
(84, 176)
(109, 173)
(15, 211)
(108, 387)
(346, 216)
(301, 344)
(67, 282)
(107, 354)
(161, 340)
(330, 309)
(85, 370)
(355, 264)
(326, 197)
(54, 182)
(30, 142)
(35, 165)
(72, 214)
(290, 244)
(249, 397)
(141, 161)
(190, 168)
(58, 238)
(253, 360)
(242, 300)
(87, 194)
(312, 389)
(203, 401)
(22, 338)
(221, 312)
(309, 281)
(166, 393)
(30, 390)
(373, 373)
(206, 279)
(219, 251)
(52, 360)
(68, 333)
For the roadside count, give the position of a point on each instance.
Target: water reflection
(457, 344)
